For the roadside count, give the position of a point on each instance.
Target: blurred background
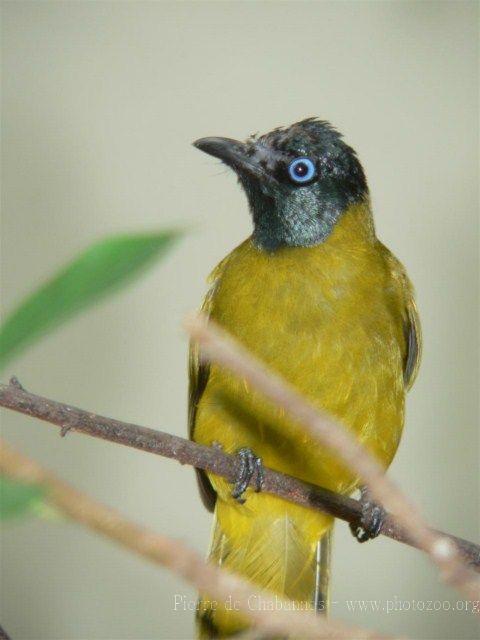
(100, 103)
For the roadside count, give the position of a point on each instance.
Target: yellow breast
(329, 319)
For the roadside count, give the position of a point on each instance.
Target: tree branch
(273, 620)
(211, 459)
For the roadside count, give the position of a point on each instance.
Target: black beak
(233, 153)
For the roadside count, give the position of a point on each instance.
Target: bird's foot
(371, 520)
(249, 465)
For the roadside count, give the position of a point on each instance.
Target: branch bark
(273, 620)
(3, 634)
(211, 459)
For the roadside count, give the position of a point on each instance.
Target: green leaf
(101, 269)
(18, 499)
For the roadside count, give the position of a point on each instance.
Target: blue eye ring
(301, 170)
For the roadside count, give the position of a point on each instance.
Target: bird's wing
(412, 327)
(198, 377)
(414, 344)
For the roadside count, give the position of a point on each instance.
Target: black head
(298, 180)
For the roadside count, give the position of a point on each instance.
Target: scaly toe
(371, 520)
(249, 465)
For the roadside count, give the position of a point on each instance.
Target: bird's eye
(301, 170)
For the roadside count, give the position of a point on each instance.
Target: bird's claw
(371, 520)
(249, 465)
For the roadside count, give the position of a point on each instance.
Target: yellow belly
(329, 320)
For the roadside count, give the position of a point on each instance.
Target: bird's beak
(233, 153)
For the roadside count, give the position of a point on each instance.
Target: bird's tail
(285, 551)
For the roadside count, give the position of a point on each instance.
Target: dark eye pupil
(300, 169)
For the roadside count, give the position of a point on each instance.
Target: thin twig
(212, 459)
(173, 554)
(218, 346)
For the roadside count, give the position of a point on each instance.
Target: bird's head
(298, 180)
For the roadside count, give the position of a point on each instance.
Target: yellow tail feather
(275, 553)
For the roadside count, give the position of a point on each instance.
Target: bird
(316, 296)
